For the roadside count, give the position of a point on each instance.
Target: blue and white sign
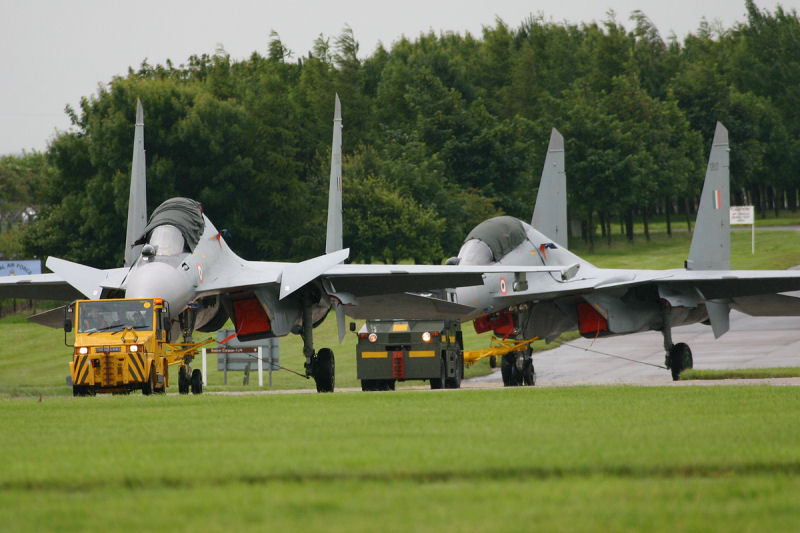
(20, 268)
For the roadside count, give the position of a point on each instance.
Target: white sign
(742, 214)
(20, 268)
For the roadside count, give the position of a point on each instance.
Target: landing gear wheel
(528, 372)
(147, 386)
(439, 382)
(506, 367)
(679, 359)
(324, 370)
(493, 361)
(197, 381)
(455, 382)
(183, 380)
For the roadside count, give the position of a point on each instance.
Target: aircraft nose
(159, 280)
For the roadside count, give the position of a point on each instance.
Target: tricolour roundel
(503, 286)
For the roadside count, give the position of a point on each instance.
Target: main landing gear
(516, 368)
(187, 381)
(320, 365)
(679, 356)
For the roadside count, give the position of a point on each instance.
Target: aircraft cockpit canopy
(491, 240)
(174, 227)
(167, 240)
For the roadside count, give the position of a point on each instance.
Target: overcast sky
(56, 51)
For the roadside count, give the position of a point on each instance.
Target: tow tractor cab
(123, 345)
(397, 350)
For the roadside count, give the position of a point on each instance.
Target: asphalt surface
(638, 359)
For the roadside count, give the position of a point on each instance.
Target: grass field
(580, 458)
(619, 458)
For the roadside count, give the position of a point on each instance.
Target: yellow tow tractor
(123, 345)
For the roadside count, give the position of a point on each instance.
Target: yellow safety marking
(83, 368)
(422, 353)
(374, 355)
(400, 326)
(452, 340)
(136, 366)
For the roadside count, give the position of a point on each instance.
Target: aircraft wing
(371, 280)
(755, 290)
(38, 287)
(70, 281)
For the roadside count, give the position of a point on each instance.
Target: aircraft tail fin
(711, 242)
(333, 240)
(137, 199)
(550, 211)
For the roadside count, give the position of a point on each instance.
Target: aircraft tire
(680, 358)
(324, 370)
(506, 366)
(197, 381)
(528, 373)
(183, 380)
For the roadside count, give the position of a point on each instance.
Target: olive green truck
(389, 351)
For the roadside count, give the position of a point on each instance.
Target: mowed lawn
(581, 458)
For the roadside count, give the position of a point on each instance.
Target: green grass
(742, 373)
(580, 458)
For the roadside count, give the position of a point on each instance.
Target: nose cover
(159, 280)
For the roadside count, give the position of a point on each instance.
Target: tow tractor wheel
(324, 367)
(147, 386)
(183, 380)
(680, 358)
(197, 381)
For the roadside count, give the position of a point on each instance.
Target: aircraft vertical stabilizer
(711, 242)
(333, 241)
(137, 200)
(550, 211)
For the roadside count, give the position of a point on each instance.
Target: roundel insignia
(503, 286)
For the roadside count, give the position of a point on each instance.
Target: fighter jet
(601, 302)
(178, 255)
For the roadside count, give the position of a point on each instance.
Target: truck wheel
(197, 381)
(183, 380)
(147, 386)
(368, 385)
(455, 382)
(439, 382)
(324, 370)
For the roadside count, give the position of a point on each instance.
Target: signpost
(234, 355)
(745, 214)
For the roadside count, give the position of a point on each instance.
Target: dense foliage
(440, 133)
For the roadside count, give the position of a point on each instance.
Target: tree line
(440, 133)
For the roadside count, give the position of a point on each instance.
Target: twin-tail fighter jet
(602, 302)
(180, 257)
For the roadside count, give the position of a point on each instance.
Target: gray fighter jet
(179, 256)
(600, 302)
